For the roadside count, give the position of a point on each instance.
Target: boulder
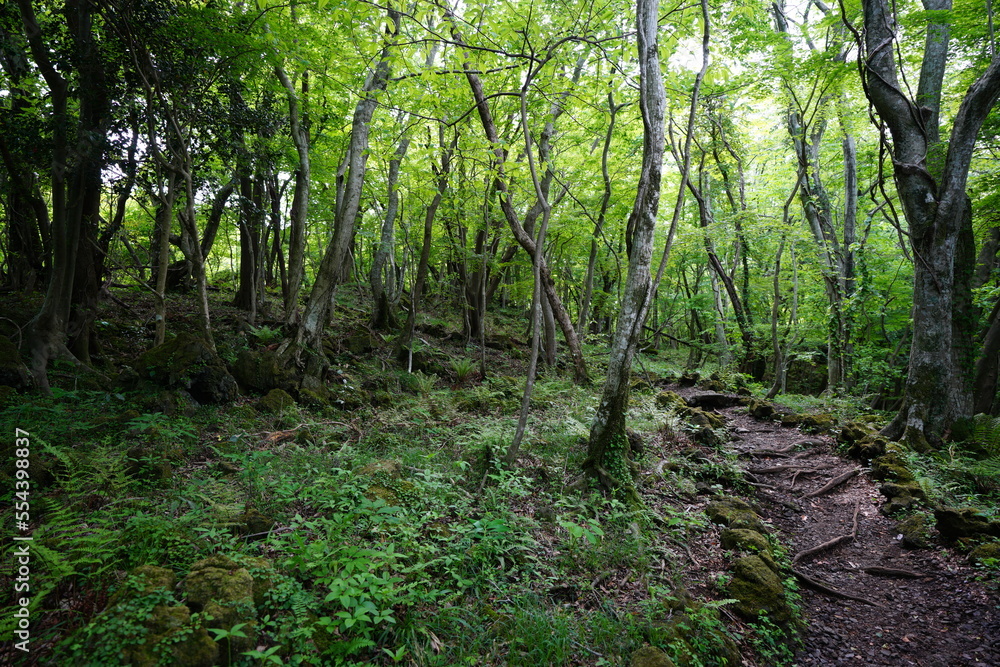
(759, 591)
(955, 523)
(734, 513)
(748, 541)
(275, 401)
(186, 362)
(761, 410)
(986, 553)
(171, 639)
(913, 531)
(670, 399)
(901, 495)
(223, 589)
(650, 656)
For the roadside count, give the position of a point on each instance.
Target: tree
(607, 450)
(930, 178)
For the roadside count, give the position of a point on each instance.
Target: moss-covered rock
(867, 448)
(955, 523)
(146, 579)
(812, 423)
(853, 432)
(914, 532)
(260, 371)
(748, 541)
(759, 591)
(689, 378)
(256, 524)
(986, 552)
(223, 589)
(169, 633)
(891, 467)
(386, 468)
(901, 496)
(13, 372)
(275, 401)
(263, 574)
(650, 656)
(734, 513)
(761, 410)
(670, 399)
(186, 362)
(702, 418)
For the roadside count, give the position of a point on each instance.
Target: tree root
(878, 571)
(834, 542)
(792, 467)
(824, 587)
(832, 484)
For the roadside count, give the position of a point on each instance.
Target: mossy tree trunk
(607, 452)
(930, 179)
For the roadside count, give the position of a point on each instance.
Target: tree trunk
(608, 447)
(930, 179)
(336, 255)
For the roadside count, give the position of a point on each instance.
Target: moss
(186, 362)
(650, 656)
(891, 467)
(8, 396)
(145, 579)
(954, 523)
(224, 590)
(670, 399)
(259, 371)
(759, 591)
(263, 574)
(915, 439)
(734, 513)
(853, 432)
(761, 410)
(869, 447)
(914, 532)
(256, 523)
(743, 539)
(276, 400)
(985, 552)
(170, 635)
(818, 423)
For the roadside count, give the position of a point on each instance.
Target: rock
(650, 656)
(812, 423)
(901, 495)
(708, 437)
(759, 591)
(256, 524)
(689, 378)
(914, 531)
(186, 362)
(702, 418)
(13, 372)
(276, 400)
(169, 630)
(761, 410)
(891, 467)
(714, 400)
(385, 468)
(263, 574)
(867, 448)
(853, 432)
(734, 513)
(148, 578)
(954, 523)
(259, 371)
(743, 539)
(986, 552)
(360, 344)
(223, 589)
(670, 399)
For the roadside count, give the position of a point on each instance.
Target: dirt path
(938, 616)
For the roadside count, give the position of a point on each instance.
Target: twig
(824, 587)
(833, 483)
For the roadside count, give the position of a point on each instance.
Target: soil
(943, 615)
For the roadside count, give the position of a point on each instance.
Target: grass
(456, 560)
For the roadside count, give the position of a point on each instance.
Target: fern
(986, 433)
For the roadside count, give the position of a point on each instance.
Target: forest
(500, 332)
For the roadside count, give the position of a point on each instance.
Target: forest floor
(385, 531)
(884, 604)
